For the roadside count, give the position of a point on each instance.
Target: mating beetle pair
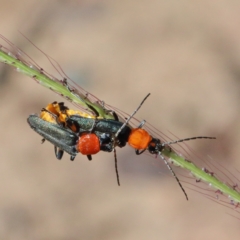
(74, 131)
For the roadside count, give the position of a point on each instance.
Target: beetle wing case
(59, 136)
(101, 126)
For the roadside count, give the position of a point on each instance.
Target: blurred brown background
(187, 55)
